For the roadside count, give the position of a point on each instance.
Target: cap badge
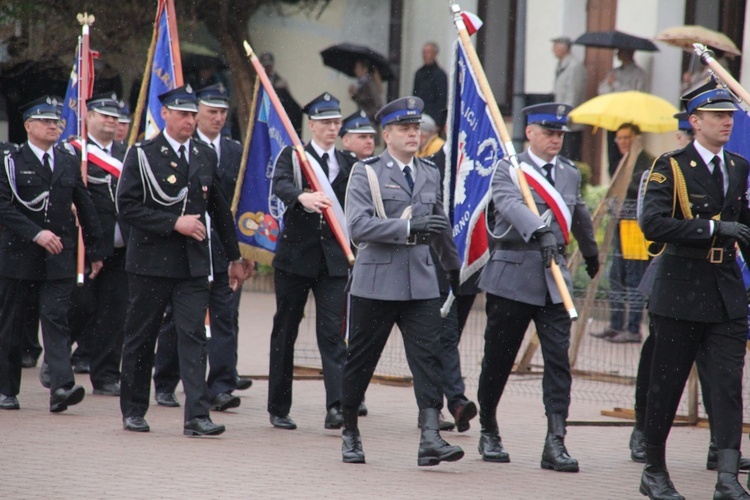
(560, 111)
(411, 102)
(188, 89)
(362, 114)
(326, 97)
(221, 88)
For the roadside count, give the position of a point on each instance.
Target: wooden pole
(707, 57)
(246, 146)
(174, 43)
(510, 150)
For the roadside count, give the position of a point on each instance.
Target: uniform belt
(715, 255)
(418, 239)
(519, 246)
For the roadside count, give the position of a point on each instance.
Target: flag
(70, 125)
(259, 211)
(475, 147)
(739, 141)
(163, 74)
(472, 22)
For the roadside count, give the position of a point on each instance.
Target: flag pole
(246, 147)
(174, 44)
(508, 146)
(299, 148)
(84, 93)
(707, 58)
(143, 93)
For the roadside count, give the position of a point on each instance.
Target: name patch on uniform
(394, 186)
(657, 177)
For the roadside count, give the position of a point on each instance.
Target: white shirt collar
(216, 142)
(319, 151)
(96, 143)
(707, 155)
(176, 145)
(539, 162)
(40, 153)
(403, 165)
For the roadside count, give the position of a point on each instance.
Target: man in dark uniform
(394, 280)
(38, 184)
(123, 122)
(698, 304)
(358, 135)
(97, 311)
(167, 186)
(223, 304)
(308, 257)
(519, 284)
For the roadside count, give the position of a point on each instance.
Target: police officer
(698, 304)
(394, 280)
(223, 304)
(38, 184)
(520, 287)
(97, 311)
(358, 135)
(308, 257)
(167, 186)
(123, 122)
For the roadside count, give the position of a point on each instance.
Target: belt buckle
(411, 240)
(716, 255)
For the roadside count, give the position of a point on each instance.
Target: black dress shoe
(462, 414)
(362, 410)
(202, 426)
(135, 424)
(491, 447)
(44, 375)
(28, 361)
(9, 402)
(224, 401)
(62, 398)
(112, 389)
(81, 366)
(334, 418)
(243, 383)
(284, 422)
(167, 399)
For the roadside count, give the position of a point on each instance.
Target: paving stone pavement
(84, 453)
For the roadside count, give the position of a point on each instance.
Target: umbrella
(615, 40)
(685, 36)
(342, 57)
(609, 111)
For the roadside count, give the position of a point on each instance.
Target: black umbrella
(342, 57)
(615, 40)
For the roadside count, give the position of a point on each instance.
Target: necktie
(324, 163)
(408, 177)
(45, 161)
(548, 172)
(717, 174)
(106, 151)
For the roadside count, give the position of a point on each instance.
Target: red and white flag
(472, 22)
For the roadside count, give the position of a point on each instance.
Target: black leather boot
(712, 459)
(555, 456)
(637, 446)
(351, 447)
(490, 444)
(432, 448)
(655, 482)
(727, 486)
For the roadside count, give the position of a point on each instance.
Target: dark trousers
(676, 345)
(53, 299)
(507, 321)
(371, 324)
(98, 312)
(330, 304)
(464, 306)
(450, 359)
(30, 337)
(149, 296)
(223, 307)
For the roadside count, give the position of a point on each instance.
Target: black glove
(455, 279)
(592, 265)
(548, 245)
(428, 224)
(733, 230)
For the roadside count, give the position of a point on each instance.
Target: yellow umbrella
(609, 111)
(685, 36)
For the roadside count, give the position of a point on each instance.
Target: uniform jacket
(306, 239)
(386, 267)
(520, 274)
(154, 247)
(20, 256)
(228, 172)
(686, 288)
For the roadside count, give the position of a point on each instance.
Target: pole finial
(85, 19)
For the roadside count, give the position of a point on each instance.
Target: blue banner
(739, 141)
(162, 77)
(69, 118)
(259, 211)
(475, 148)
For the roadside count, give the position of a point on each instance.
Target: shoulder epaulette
(428, 162)
(235, 141)
(145, 142)
(349, 153)
(65, 147)
(568, 162)
(736, 154)
(671, 153)
(370, 160)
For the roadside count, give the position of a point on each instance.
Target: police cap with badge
(401, 110)
(44, 108)
(551, 115)
(105, 104)
(357, 123)
(215, 96)
(323, 107)
(124, 111)
(180, 99)
(708, 97)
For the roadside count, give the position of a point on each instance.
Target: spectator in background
(429, 142)
(700, 74)
(280, 85)
(570, 84)
(627, 76)
(431, 85)
(368, 91)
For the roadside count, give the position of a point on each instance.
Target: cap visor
(191, 108)
(215, 103)
(717, 106)
(107, 112)
(44, 116)
(326, 116)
